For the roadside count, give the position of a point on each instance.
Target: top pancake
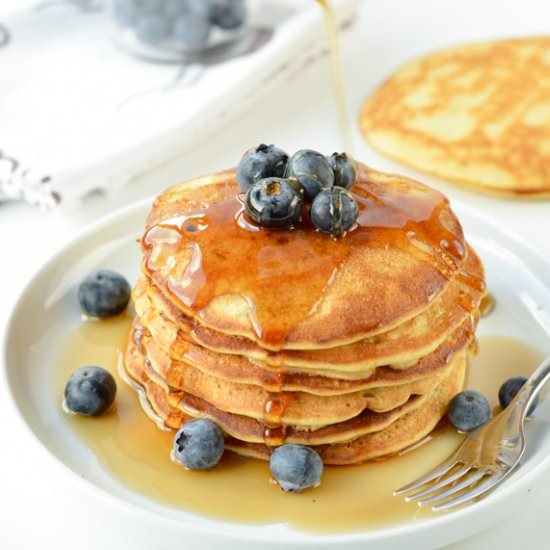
(298, 288)
(477, 114)
(399, 347)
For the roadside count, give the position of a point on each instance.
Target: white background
(39, 508)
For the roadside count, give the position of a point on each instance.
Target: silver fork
(485, 458)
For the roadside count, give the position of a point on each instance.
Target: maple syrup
(487, 305)
(136, 452)
(283, 274)
(274, 410)
(335, 55)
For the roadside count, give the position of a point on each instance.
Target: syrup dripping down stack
(353, 346)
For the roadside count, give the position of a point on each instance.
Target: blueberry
(199, 444)
(124, 11)
(334, 211)
(174, 7)
(312, 170)
(274, 202)
(191, 30)
(177, 7)
(296, 467)
(468, 410)
(90, 391)
(148, 6)
(510, 388)
(153, 28)
(344, 168)
(259, 163)
(228, 14)
(103, 294)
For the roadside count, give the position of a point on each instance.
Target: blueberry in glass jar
(191, 30)
(227, 14)
(153, 27)
(124, 11)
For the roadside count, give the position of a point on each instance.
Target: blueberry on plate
(344, 168)
(228, 14)
(90, 391)
(103, 294)
(296, 467)
(312, 170)
(468, 410)
(509, 390)
(191, 29)
(199, 444)
(334, 211)
(274, 202)
(259, 163)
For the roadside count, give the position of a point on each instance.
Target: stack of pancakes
(353, 346)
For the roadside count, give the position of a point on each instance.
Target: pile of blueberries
(199, 444)
(186, 22)
(277, 188)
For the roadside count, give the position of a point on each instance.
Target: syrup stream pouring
(335, 55)
(485, 458)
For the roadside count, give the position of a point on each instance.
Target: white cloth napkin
(78, 114)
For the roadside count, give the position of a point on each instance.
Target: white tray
(85, 116)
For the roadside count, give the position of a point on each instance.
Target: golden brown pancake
(301, 408)
(160, 405)
(170, 372)
(477, 114)
(404, 432)
(300, 289)
(290, 336)
(365, 436)
(399, 347)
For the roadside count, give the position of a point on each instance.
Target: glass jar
(173, 30)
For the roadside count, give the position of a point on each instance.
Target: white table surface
(39, 507)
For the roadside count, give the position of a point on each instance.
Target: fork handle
(529, 391)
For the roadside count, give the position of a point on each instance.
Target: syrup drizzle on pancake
(282, 275)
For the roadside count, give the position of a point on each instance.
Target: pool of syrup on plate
(136, 453)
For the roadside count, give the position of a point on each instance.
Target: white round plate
(46, 309)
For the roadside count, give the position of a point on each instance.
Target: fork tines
(449, 485)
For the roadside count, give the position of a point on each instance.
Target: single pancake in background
(478, 115)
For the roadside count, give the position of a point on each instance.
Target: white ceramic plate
(46, 309)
